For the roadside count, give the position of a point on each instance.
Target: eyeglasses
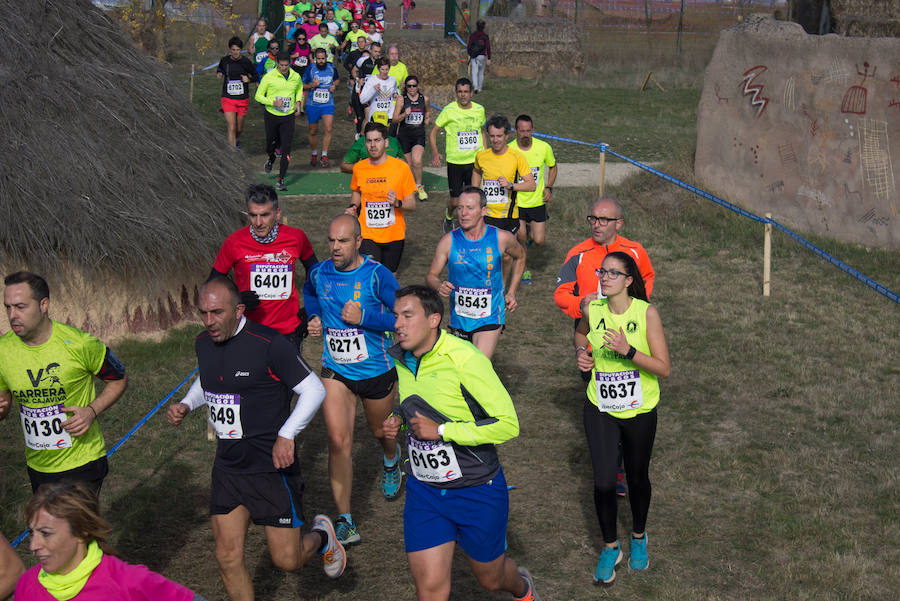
(611, 273)
(601, 220)
(412, 85)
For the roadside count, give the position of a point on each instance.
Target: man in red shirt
(578, 277)
(263, 257)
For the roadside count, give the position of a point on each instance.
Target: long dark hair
(636, 289)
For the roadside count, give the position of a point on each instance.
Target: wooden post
(767, 257)
(191, 93)
(210, 433)
(602, 169)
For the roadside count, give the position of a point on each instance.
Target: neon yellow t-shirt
(42, 380)
(501, 202)
(327, 42)
(463, 130)
(538, 156)
(289, 13)
(355, 35)
(617, 383)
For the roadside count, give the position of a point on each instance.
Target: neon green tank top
(617, 385)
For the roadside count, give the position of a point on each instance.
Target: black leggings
(279, 133)
(359, 111)
(604, 434)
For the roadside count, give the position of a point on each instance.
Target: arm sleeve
(194, 397)
(252, 75)
(368, 90)
(646, 271)
(221, 67)
(564, 296)
(385, 286)
(479, 380)
(310, 300)
(487, 45)
(311, 393)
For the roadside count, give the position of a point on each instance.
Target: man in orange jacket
(578, 276)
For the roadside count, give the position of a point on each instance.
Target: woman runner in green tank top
(627, 354)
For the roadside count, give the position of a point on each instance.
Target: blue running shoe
(346, 531)
(391, 477)
(526, 277)
(638, 558)
(610, 557)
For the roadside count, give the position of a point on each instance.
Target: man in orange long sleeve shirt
(578, 276)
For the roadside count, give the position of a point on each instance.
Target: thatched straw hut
(110, 184)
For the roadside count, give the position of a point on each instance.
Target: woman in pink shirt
(74, 562)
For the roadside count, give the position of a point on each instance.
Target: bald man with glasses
(579, 276)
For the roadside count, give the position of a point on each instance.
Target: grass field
(775, 472)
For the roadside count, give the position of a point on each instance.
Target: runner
(325, 40)
(281, 92)
(301, 55)
(268, 62)
(457, 411)
(358, 150)
(259, 41)
(320, 81)
(310, 25)
(629, 355)
(248, 374)
(47, 374)
(350, 298)
(11, 568)
(398, 70)
(498, 171)
(414, 116)
(377, 10)
(236, 72)
(68, 537)
(263, 257)
(463, 123)
(533, 205)
(356, 64)
(380, 91)
(473, 254)
(383, 191)
(290, 18)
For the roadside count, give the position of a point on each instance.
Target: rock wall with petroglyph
(806, 127)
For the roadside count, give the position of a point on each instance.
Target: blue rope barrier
(560, 139)
(122, 440)
(456, 35)
(883, 290)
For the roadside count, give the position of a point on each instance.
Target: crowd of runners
(431, 397)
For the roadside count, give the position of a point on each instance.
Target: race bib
(346, 345)
(380, 214)
(284, 108)
(467, 140)
(43, 427)
(619, 390)
(261, 56)
(301, 61)
(472, 302)
(272, 281)
(432, 460)
(225, 414)
(234, 87)
(321, 95)
(495, 193)
(384, 104)
(415, 118)
(536, 174)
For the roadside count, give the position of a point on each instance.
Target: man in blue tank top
(350, 298)
(473, 254)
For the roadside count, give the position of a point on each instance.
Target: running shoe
(278, 152)
(637, 560)
(334, 557)
(323, 162)
(530, 594)
(313, 161)
(420, 191)
(605, 572)
(237, 144)
(347, 534)
(391, 478)
(281, 186)
(526, 277)
(620, 479)
(269, 162)
(447, 224)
